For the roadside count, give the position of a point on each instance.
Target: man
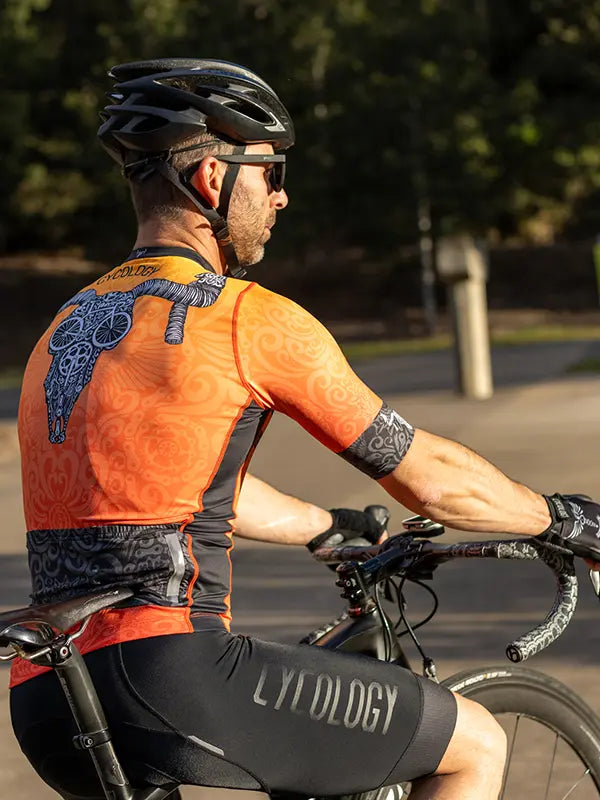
(141, 407)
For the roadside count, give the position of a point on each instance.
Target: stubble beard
(246, 221)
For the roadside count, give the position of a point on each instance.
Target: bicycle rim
(553, 736)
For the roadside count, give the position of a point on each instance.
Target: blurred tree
(473, 115)
(543, 58)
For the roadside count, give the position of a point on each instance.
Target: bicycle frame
(361, 634)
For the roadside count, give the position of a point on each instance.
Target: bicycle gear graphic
(101, 322)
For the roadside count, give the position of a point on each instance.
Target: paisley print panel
(66, 563)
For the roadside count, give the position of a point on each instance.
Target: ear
(208, 179)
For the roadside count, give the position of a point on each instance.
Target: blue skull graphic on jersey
(99, 323)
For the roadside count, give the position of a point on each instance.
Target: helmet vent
(147, 124)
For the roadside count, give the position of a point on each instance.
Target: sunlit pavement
(546, 434)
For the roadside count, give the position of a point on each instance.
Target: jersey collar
(181, 252)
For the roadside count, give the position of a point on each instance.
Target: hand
(575, 525)
(353, 527)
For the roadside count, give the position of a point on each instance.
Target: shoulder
(260, 309)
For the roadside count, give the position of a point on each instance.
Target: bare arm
(449, 483)
(268, 515)
(315, 385)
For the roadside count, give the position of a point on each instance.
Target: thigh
(297, 718)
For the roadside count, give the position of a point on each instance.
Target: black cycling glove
(575, 524)
(352, 527)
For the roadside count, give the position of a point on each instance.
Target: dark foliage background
(487, 111)
(477, 116)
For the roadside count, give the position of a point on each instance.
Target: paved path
(511, 366)
(545, 433)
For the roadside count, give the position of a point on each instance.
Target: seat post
(37, 633)
(94, 735)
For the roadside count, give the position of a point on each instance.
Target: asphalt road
(539, 428)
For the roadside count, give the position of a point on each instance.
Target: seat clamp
(87, 741)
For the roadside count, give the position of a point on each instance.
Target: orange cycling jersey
(140, 409)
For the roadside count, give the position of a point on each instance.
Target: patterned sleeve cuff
(382, 446)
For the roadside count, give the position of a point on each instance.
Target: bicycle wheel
(553, 736)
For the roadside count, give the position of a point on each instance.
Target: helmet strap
(229, 178)
(217, 218)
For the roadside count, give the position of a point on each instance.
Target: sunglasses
(276, 175)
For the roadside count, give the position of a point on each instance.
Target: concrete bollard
(463, 267)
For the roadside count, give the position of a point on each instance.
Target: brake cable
(429, 668)
(429, 616)
(385, 623)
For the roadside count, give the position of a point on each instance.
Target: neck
(198, 237)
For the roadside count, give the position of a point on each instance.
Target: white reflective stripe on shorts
(213, 748)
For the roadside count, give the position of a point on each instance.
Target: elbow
(425, 497)
(428, 498)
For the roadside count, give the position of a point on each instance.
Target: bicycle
(367, 575)
(548, 707)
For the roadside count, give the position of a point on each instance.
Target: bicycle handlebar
(402, 553)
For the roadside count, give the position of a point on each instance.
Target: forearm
(447, 482)
(269, 515)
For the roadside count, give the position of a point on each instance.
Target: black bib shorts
(216, 709)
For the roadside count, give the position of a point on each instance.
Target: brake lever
(381, 515)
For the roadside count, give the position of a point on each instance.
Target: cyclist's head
(175, 125)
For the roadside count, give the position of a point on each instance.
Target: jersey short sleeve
(291, 363)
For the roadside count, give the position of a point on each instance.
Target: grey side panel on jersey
(382, 446)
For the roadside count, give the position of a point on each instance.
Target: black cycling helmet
(158, 105)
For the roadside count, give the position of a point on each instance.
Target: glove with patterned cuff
(575, 524)
(352, 527)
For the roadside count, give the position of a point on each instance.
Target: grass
(10, 378)
(548, 333)
(585, 365)
(393, 347)
(538, 333)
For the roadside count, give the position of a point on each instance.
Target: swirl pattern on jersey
(382, 446)
(292, 364)
(145, 434)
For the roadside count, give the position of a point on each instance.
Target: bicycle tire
(550, 709)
